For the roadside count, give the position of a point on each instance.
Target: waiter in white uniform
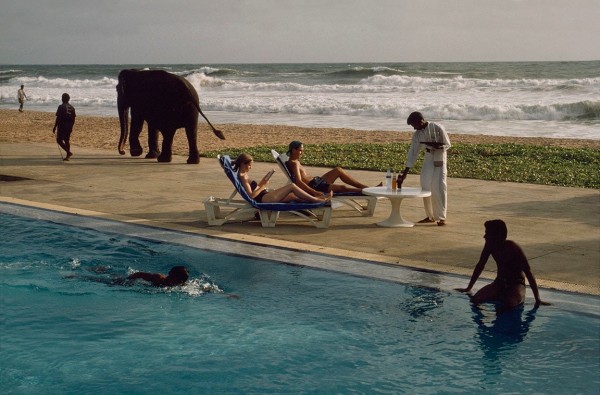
(433, 139)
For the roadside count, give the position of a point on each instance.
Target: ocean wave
(43, 82)
(373, 80)
(397, 83)
(578, 111)
(10, 71)
(364, 72)
(460, 83)
(212, 71)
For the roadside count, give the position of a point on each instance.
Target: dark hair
(65, 97)
(497, 229)
(179, 274)
(415, 117)
(242, 158)
(294, 145)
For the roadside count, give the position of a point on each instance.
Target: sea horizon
(559, 99)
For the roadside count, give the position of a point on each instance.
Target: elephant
(166, 102)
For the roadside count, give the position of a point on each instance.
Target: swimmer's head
(178, 275)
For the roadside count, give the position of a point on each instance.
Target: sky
(296, 31)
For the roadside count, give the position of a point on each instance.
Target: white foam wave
(43, 82)
(302, 104)
(10, 71)
(399, 84)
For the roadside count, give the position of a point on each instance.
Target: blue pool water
(290, 329)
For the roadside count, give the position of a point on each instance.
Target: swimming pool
(293, 329)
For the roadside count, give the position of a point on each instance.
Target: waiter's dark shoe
(426, 221)
(441, 223)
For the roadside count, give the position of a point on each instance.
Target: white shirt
(432, 133)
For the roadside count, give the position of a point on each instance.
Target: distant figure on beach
(317, 186)
(178, 275)
(509, 286)
(260, 193)
(65, 119)
(22, 97)
(432, 138)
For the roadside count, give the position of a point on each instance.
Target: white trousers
(434, 179)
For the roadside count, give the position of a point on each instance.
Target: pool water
(252, 325)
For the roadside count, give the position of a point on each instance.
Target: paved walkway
(557, 227)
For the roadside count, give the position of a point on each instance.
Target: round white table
(395, 219)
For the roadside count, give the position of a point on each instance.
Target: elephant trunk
(124, 122)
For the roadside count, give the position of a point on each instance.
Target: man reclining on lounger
(318, 186)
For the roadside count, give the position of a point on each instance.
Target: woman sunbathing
(260, 193)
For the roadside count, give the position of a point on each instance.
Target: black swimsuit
(262, 193)
(317, 183)
(506, 283)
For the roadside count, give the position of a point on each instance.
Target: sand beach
(103, 133)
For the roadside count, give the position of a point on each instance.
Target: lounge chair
(318, 214)
(350, 199)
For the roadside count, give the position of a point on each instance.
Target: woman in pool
(260, 193)
(509, 286)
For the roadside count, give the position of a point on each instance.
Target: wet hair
(22, 86)
(415, 117)
(294, 145)
(496, 229)
(242, 158)
(65, 97)
(179, 274)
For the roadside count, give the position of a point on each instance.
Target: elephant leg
(153, 151)
(167, 146)
(192, 137)
(135, 148)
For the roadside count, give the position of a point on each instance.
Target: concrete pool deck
(558, 227)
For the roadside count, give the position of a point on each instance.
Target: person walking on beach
(22, 97)
(318, 186)
(65, 119)
(433, 139)
(509, 286)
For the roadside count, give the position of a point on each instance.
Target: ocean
(529, 99)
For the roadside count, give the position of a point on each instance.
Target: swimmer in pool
(178, 275)
(509, 285)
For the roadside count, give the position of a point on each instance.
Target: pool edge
(419, 266)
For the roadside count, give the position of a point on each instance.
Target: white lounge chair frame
(242, 210)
